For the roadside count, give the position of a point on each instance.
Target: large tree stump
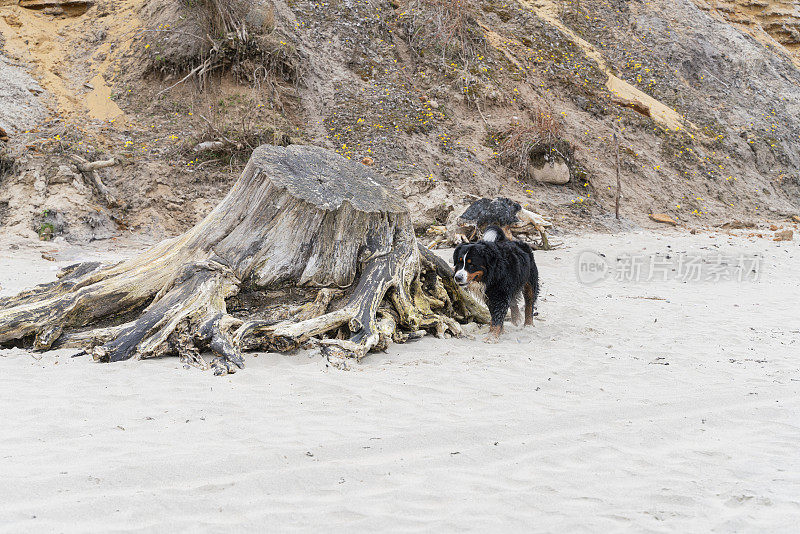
(307, 248)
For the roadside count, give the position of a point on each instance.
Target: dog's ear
(456, 252)
(492, 258)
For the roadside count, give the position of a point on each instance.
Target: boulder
(554, 172)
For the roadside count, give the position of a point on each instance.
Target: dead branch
(89, 172)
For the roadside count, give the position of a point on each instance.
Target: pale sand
(574, 426)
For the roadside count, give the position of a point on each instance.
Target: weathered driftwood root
(326, 248)
(528, 220)
(193, 304)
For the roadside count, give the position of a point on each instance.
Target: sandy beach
(646, 401)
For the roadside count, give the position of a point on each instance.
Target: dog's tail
(533, 280)
(494, 234)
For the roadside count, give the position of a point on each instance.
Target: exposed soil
(705, 101)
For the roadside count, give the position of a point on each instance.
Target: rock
(64, 175)
(39, 182)
(78, 184)
(433, 104)
(783, 235)
(663, 218)
(555, 172)
(368, 161)
(737, 225)
(93, 226)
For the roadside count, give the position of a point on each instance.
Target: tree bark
(307, 248)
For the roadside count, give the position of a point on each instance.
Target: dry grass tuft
(222, 17)
(446, 27)
(539, 139)
(203, 38)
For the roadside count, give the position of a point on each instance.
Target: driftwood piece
(535, 220)
(484, 212)
(89, 172)
(503, 212)
(94, 165)
(304, 230)
(207, 146)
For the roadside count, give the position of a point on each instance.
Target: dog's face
(470, 263)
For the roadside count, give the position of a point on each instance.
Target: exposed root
(420, 301)
(319, 306)
(339, 352)
(465, 307)
(198, 296)
(187, 351)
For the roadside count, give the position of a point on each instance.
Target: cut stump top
(326, 179)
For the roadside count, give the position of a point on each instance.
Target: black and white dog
(503, 268)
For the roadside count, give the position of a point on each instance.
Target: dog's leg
(515, 316)
(529, 300)
(494, 334)
(498, 308)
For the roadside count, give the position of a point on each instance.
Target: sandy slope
(578, 425)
